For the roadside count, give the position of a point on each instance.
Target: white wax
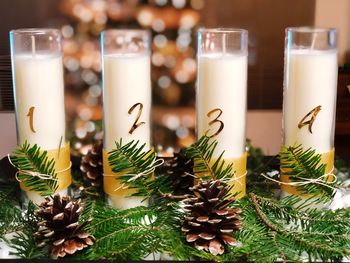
(127, 81)
(124, 203)
(222, 83)
(38, 199)
(310, 81)
(39, 84)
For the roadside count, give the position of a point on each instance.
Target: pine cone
(180, 171)
(59, 228)
(91, 165)
(209, 223)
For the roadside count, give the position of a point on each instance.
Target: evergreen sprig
(31, 158)
(129, 234)
(23, 242)
(277, 230)
(287, 230)
(131, 160)
(204, 164)
(10, 212)
(300, 164)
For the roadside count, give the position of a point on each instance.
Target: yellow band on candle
(326, 158)
(62, 163)
(111, 185)
(238, 181)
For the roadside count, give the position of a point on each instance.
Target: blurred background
(173, 24)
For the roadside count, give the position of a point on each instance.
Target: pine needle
(30, 158)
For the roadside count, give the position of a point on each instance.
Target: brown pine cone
(209, 223)
(91, 165)
(58, 226)
(180, 171)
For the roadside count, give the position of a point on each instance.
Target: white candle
(126, 83)
(309, 99)
(311, 82)
(126, 102)
(222, 84)
(40, 100)
(222, 98)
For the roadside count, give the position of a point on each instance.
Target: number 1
(31, 118)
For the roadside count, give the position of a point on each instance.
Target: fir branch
(128, 234)
(130, 158)
(300, 164)
(136, 168)
(23, 243)
(10, 214)
(30, 158)
(202, 154)
(318, 241)
(91, 207)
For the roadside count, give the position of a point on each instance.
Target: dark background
(265, 20)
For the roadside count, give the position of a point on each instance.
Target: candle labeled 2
(39, 96)
(310, 89)
(222, 96)
(126, 101)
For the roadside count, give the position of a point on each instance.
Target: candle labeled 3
(222, 96)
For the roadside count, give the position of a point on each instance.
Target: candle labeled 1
(126, 101)
(222, 96)
(310, 90)
(39, 96)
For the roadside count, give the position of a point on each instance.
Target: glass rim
(35, 31)
(222, 30)
(310, 29)
(126, 31)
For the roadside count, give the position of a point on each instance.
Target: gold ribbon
(62, 168)
(110, 183)
(114, 187)
(238, 180)
(326, 158)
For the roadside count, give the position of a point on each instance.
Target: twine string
(305, 181)
(234, 178)
(34, 173)
(155, 163)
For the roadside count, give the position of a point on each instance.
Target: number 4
(310, 122)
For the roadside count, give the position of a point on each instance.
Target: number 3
(136, 124)
(216, 120)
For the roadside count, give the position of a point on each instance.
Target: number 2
(30, 114)
(216, 120)
(136, 123)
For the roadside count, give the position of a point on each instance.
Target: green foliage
(257, 164)
(204, 163)
(128, 234)
(22, 241)
(10, 213)
(278, 230)
(303, 165)
(273, 230)
(30, 158)
(136, 167)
